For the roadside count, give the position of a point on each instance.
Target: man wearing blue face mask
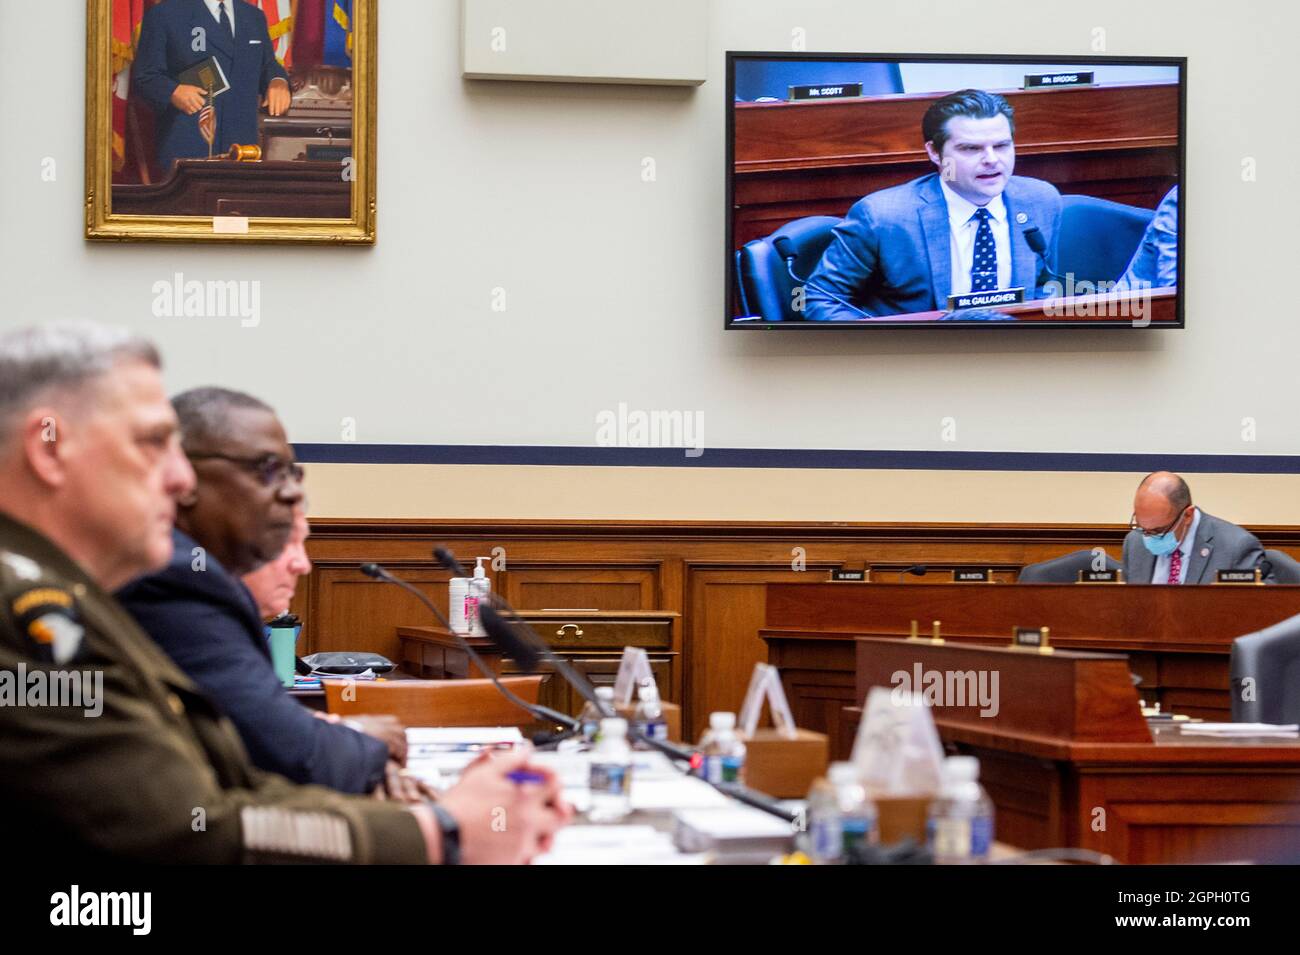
(1173, 542)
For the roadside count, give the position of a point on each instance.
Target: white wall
(614, 285)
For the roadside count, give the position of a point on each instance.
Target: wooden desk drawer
(576, 634)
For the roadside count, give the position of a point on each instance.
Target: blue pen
(523, 776)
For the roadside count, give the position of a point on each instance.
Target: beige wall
(716, 494)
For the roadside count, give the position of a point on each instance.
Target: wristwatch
(450, 829)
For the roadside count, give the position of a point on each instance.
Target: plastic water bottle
(960, 825)
(841, 816)
(611, 773)
(722, 754)
(648, 719)
(591, 716)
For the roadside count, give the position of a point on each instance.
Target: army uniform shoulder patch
(46, 617)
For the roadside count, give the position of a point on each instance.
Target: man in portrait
(179, 41)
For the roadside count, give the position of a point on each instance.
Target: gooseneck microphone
(517, 637)
(1038, 245)
(541, 712)
(916, 570)
(509, 635)
(785, 248)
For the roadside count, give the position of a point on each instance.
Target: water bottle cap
(722, 721)
(613, 727)
(961, 769)
(842, 774)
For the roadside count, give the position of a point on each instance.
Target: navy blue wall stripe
(793, 458)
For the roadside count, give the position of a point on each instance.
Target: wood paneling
(711, 573)
(582, 586)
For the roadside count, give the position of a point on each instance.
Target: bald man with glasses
(238, 518)
(1172, 541)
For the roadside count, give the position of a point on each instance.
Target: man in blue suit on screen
(177, 35)
(959, 230)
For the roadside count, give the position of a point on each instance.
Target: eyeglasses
(1133, 525)
(271, 470)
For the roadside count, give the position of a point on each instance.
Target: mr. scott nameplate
(833, 91)
(1100, 576)
(1006, 296)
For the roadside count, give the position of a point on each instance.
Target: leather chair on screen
(1061, 570)
(1098, 237)
(1270, 660)
(766, 288)
(1286, 569)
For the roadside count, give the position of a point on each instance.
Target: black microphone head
(372, 570)
(1034, 236)
(503, 633)
(918, 570)
(784, 247)
(447, 560)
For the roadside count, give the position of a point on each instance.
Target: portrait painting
(231, 120)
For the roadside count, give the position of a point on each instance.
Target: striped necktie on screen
(1175, 566)
(984, 263)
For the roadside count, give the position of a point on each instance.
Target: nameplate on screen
(832, 91)
(972, 576)
(1005, 296)
(1238, 577)
(1042, 80)
(856, 576)
(1101, 576)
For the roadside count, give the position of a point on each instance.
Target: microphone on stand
(524, 643)
(541, 712)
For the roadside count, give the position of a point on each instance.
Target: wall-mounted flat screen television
(874, 191)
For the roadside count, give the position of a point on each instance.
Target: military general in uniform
(106, 748)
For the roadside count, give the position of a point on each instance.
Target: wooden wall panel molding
(711, 573)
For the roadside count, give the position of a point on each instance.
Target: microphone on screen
(916, 570)
(785, 248)
(1038, 245)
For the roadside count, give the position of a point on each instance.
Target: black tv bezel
(729, 298)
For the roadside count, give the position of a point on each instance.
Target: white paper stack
(1239, 730)
(615, 845)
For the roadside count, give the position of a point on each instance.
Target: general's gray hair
(61, 356)
(205, 416)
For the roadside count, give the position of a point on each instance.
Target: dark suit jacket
(892, 254)
(1219, 545)
(207, 622)
(166, 49)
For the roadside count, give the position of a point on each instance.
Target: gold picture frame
(103, 224)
